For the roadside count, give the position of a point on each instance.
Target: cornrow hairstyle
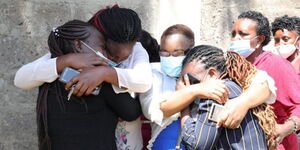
(262, 24)
(286, 22)
(121, 25)
(60, 42)
(180, 29)
(232, 65)
(151, 45)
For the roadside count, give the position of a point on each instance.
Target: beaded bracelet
(295, 124)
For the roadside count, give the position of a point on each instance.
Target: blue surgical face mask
(110, 63)
(243, 47)
(171, 65)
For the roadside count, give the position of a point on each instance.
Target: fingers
(227, 122)
(222, 92)
(100, 62)
(217, 96)
(186, 79)
(222, 119)
(71, 83)
(223, 95)
(89, 91)
(80, 89)
(179, 84)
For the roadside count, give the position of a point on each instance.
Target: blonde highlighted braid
(242, 72)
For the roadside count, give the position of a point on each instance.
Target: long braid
(237, 68)
(60, 42)
(242, 72)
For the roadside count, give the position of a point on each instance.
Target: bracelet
(295, 124)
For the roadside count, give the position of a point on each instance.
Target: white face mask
(287, 50)
(243, 47)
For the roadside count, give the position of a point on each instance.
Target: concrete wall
(25, 25)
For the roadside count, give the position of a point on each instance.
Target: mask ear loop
(297, 45)
(257, 46)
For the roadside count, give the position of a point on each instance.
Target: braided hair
(232, 65)
(121, 25)
(151, 46)
(60, 42)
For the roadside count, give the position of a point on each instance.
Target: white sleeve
(36, 73)
(263, 76)
(137, 77)
(151, 100)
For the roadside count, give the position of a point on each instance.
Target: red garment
(288, 91)
(146, 131)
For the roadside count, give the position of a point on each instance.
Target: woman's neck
(254, 55)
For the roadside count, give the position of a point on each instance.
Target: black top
(89, 122)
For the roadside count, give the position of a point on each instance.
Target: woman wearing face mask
(286, 32)
(174, 42)
(249, 34)
(161, 104)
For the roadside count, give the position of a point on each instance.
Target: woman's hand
(211, 88)
(233, 114)
(79, 61)
(214, 89)
(87, 80)
(283, 130)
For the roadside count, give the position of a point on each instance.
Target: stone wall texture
(25, 25)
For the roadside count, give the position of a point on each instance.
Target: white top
(135, 78)
(163, 85)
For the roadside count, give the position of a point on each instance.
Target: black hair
(238, 69)
(121, 25)
(60, 42)
(210, 56)
(151, 45)
(180, 29)
(263, 27)
(286, 22)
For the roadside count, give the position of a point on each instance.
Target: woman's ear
(261, 39)
(213, 73)
(77, 45)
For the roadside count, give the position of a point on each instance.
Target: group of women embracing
(174, 85)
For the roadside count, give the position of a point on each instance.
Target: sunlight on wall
(172, 12)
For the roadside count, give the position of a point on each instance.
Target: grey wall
(25, 25)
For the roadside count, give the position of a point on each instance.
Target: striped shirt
(201, 133)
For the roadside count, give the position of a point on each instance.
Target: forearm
(178, 100)
(137, 79)
(255, 95)
(62, 62)
(110, 75)
(36, 73)
(123, 104)
(290, 126)
(184, 115)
